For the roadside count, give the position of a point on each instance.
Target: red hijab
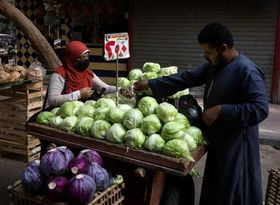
(75, 79)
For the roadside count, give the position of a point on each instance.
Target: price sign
(116, 46)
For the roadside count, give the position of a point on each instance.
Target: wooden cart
(160, 164)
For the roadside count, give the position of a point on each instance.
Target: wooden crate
(16, 107)
(272, 196)
(111, 196)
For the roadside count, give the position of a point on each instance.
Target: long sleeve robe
(232, 174)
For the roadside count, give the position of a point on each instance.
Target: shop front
(85, 20)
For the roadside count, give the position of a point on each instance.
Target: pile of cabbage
(61, 176)
(150, 126)
(149, 71)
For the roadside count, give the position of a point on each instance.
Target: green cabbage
(115, 115)
(177, 148)
(83, 126)
(149, 75)
(69, 123)
(177, 95)
(189, 139)
(196, 133)
(151, 67)
(116, 133)
(67, 109)
(147, 105)
(134, 138)
(182, 119)
(151, 124)
(44, 117)
(166, 71)
(154, 143)
(101, 113)
(90, 102)
(123, 82)
(166, 112)
(55, 110)
(132, 118)
(86, 111)
(99, 129)
(105, 102)
(56, 121)
(124, 107)
(170, 129)
(135, 74)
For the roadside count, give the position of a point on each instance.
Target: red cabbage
(32, 180)
(81, 189)
(68, 154)
(53, 163)
(91, 155)
(101, 176)
(56, 188)
(78, 165)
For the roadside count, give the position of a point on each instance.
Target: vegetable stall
(144, 132)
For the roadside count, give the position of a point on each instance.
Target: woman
(74, 80)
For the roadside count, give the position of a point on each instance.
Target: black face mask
(82, 64)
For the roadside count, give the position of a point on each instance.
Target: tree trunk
(38, 41)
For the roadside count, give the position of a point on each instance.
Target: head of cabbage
(151, 124)
(116, 133)
(147, 105)
(134, 138)
(151, 67)
(154, 143)
(83, 126)
(99, 129)
(177, 148)
(166, 112)
(135, 74)
(132, 118)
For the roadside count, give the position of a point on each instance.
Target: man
(234, 103)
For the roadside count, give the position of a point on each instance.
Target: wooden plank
(35, 95)
(35, 86)
(147, 159)
(16, 150)
(157, 187)
(34, 105)
(10, 125)
(15, 138)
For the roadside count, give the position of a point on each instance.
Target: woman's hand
(86, 93)
(126, 93)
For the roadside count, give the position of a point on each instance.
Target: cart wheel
(178, 191)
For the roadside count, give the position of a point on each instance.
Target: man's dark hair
(215, 34)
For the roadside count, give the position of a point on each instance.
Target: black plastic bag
(189, 107)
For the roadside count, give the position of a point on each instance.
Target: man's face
(212, 55)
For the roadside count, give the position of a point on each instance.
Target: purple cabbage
(78, 165)
(81, 189)
(68, 154)
(32, 179)
(101, 176)
(91, 155)
(53, 163)
(56, 188)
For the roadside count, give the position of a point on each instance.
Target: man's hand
(140, 86)
(210, 115)
(86, 92)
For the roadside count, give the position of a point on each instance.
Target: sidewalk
(270, 129)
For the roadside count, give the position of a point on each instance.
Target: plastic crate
(272, 196)
(111, 196)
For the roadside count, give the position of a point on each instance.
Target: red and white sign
(116, 46)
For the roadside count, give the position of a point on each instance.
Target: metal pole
(117, 79)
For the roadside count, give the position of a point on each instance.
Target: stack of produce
(149, 71)
(151, 126)
(65, 178)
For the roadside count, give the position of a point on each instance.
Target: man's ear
(223, 48)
